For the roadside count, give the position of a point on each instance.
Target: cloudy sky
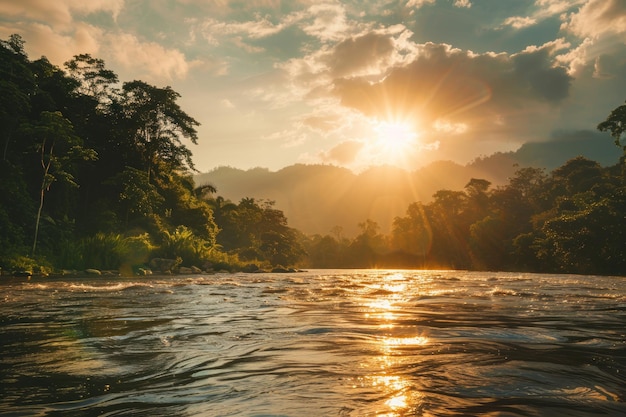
(351, 83)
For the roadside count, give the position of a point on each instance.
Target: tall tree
(59, 148)
(94, 79)
(157, 125)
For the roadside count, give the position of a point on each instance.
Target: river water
(317, 343)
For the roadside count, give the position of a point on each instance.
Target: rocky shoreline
(157, 266)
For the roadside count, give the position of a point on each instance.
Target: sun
(394, 139)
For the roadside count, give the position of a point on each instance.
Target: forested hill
(317, 198)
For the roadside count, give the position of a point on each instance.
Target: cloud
(366, 54)
(344, 153)
(518, 22)
(463, 3)
(226, 103)
(289, 138)
(598, 17)
(213, 30)
(58, 14)
(544, 9)
(602, 27)
(322, 123)
(419, 3)
(325, 22)
(53, 31)
(443, 78)
(329, 21)
(447, 88)
(42, 40)
(230, 7)
(149, 59)
(549, 8)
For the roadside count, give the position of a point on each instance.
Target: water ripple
(323, 343)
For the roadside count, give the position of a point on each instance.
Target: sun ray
(394, 139)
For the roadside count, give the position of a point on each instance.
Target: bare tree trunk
(38, 219)
(44, 186)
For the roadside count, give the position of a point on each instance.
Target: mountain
(316, 198)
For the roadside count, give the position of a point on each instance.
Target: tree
(157, 125)
(138, 198)
(93, 78)
(412, 234)
(450, 230)
(58, 147)
(616, 124)
(367, 248)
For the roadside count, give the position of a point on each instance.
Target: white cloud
(418, 3)
(148, 59)
(463, 3)
(598, 17)
(519, 22)
(329, 21)
(548, 8)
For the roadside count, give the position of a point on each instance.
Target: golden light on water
(405, 341)
(398, 391)
(397, 402)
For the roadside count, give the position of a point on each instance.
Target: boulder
(250, 268)
(163, 265)
(144, 271)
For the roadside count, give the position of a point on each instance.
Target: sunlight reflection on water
(398, 391)
(323, 343)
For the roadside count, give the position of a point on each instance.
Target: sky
(351, 83)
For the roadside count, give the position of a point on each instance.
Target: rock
(184, 270)
(163, 264)
(196, 270)
(280, 270)
(92, 271)
(22, 274)
(250, 268)
(144, 271)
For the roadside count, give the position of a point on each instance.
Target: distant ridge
(316, 198)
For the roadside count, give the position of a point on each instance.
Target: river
(317, 343)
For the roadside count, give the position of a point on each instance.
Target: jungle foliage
(572, 220)
(95, 173)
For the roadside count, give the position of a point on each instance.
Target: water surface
(318, 343)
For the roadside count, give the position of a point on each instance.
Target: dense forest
(96, 174)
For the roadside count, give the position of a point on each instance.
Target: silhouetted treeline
(94, 174)
(571, 220)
